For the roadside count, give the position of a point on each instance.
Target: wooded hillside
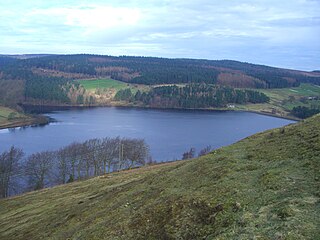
(150, 70)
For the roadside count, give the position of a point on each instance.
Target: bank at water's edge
(37, 119)
(54, 107)
(24, 122)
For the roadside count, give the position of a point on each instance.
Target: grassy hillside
(283, 100)
(104, 89)
(93, 84)
(263, 187)
(291, 97)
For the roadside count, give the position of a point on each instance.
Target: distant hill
(151, 70)
(263, 187)
(43, 79)
(27, 56)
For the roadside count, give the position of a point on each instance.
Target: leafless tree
(9, 168)
(38, 167)
(81, 162)
(72, 154)
(75, 161)
(189, 154)
(87, 157)
(205, 151)
(135, 152)
(63, 165)
(109, 152)
(150, 160)
(94, 152)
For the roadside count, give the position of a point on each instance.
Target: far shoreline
(40, 119)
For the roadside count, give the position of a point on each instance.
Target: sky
(282, 33)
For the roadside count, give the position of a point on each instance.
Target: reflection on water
(4, 131)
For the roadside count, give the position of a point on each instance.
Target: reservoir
(169, 133)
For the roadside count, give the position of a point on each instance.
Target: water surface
(168, 132)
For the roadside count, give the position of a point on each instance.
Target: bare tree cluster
(205, 151)
(191, 153)
(10, 165)
(76, 161)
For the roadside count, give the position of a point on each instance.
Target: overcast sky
(283, 33)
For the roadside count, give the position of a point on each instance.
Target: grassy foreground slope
(263, 187)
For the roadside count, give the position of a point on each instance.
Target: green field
(282, 100)
(4, 113)
(92, 84)
(304, 90)
(11, 118)
(263, 187)
(8, 114)
(289, 98)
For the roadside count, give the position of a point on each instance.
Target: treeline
(140, 70)
(11, 92)
(76, 161)
(66, 63)
(151, 70)
(191, 153)
(273, 77)
(191, 96)
(4, 60)
(175, 73)
(19, 85)
(304, 112)
(35, 86)
(47, 88)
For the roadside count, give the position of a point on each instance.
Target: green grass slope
(283, 100)
(92, 84)
(263, 187)
(12, 118)
(281, 97)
